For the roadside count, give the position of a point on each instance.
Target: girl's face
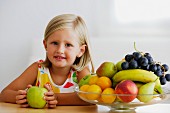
(62, 48)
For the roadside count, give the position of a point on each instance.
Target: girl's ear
(82, 50)
(45, 44)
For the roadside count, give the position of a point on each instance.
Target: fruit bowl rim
(164, 93)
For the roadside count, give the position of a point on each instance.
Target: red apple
(126, 87)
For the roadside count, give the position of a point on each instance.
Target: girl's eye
(68, 45)
(55, 43)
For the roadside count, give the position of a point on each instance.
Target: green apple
(107, 69)
(118, 65)
(85, 80)
(35, 97)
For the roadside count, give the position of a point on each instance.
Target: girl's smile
(59, 58)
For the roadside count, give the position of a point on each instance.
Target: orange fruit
(94, 92)
(83, 88)
(108, 96)
(93, 79)
(100, 99)
(104, 82)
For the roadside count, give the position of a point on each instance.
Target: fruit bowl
(119, 106)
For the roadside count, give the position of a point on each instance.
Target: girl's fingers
(21, 92)
(19, 97)
(54, 102)
(21, 101)
(48, 87)
(29, 86)
(51, 106)
(24, 105)
(49, 98)
(49, 93)
(51, 101)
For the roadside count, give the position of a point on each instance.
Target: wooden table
(14, 108)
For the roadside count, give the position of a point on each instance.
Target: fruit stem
(135, 47)
(137, 50)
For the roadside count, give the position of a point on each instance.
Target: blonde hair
(76, 23)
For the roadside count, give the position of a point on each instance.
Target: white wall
(22, 22)
(115, 49)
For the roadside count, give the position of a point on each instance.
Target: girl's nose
(60, 49)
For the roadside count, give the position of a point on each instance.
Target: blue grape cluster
(138, 60)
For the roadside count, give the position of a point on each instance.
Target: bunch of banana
(138, 75)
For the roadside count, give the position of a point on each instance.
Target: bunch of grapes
(139, 60)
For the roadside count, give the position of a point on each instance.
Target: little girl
(67, 61)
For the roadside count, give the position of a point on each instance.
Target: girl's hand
(21, 97)
(50, 97)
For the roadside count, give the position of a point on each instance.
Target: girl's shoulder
(82, 73)
(39, 63)
(33, 66)
(41, 67)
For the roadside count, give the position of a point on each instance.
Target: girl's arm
(69, 99)
(84, 72)
(9, 93)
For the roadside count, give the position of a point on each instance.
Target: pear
(145, 93)
(107, 69)
(85, 80)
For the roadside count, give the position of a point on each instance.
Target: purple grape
(147, 55)
(158, 73)
(167, 76)
(145, 67)
(125, 65)
(162, 80)
(143, 61)
(129, 57)
(165, 67)
(137, 55)
(133, 64)
(150, 59)
(158, 66)
(153, 68)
